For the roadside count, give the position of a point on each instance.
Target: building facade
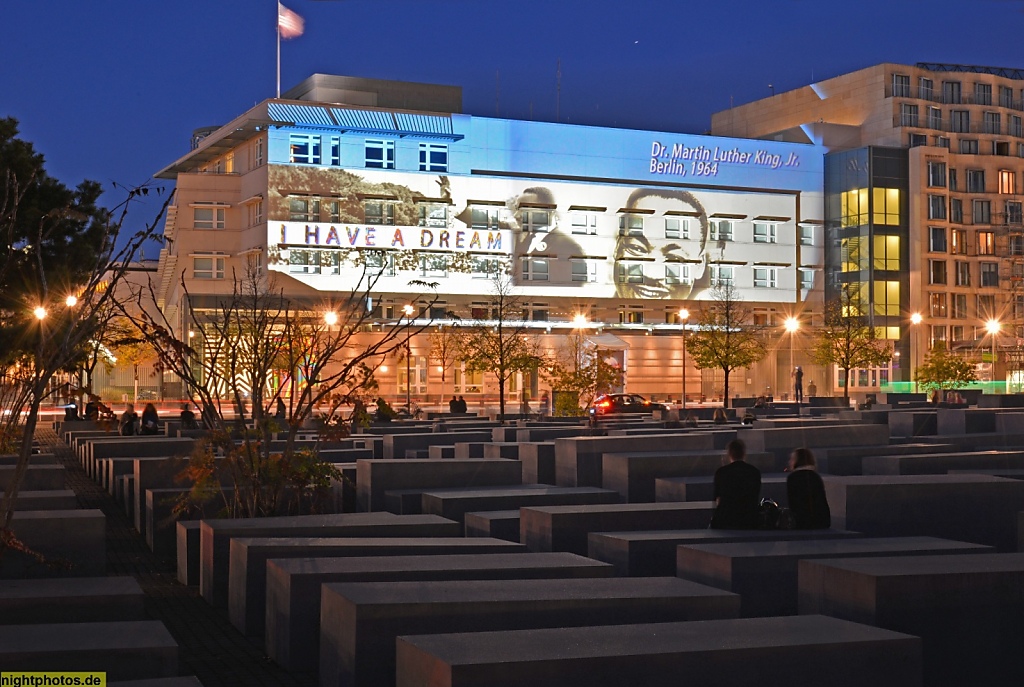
(611, 230)
(923, 187)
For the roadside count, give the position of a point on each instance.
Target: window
(535, 269)
(886, 208)
(303, 209)
(304, 261)
(986, 306)
(433, 157)
(958, 242)
(1013, 212)
(937, 304)
(631, 315)
(629, 272)
(990, 274)
(981, 211)
(854, 207)
(986, 243)
(677, 273)
(468, 381)
(485, 217)
(1016, 246)
(1005, 96)
(1014, 128)
(887, 252)
(1020, 150)
(208, 217)
(256, 212)
(951, 92)
(335, 151)
(925, 88)
(992, 122)
(208, 268)
(887, 298)
(975, 181)
(434, 265)
(956, 210)
(764, 233)
(908, 115)
(937, 174)
(677, 228)
(534, 220)
(963, 273)
(936, 207)
(935, 118)
(982, 94)
(721, 275)
(379, 154)
(938, 333)
(1001, 148)
(765, 277)
(631, 225)
(942, 141)
(537, 312)
(956, 333)
(257, 153)
(1007, 182)
(936, 271)
(969, 146)
(960, 121)
(960, 306)
(485, 267)
(583, 222)
(432, 214)
(953, 183)
(381, 212)
(806, 235)
(305, 149)
(584, 270)
(378, 262)
(1018, 308)
(806, 279)
(721, 230)
(901, 85)
(917, 140)
(937, 239)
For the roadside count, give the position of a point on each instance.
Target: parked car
(610, 404)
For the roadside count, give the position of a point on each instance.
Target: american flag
(289, 24)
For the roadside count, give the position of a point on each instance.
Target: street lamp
(331, 318)
(915, 320)
(993, 327)
(408, 310)
(684, 315)
(792, 325)
(71, 301)
(39, 312)
(579, 321)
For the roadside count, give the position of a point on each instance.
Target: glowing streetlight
(40, 313)
(993, 327)
(684, 315)
(792, 325)
(71, 301)
(915, 319)
(408, 310)
(331, 318)
(579, 320)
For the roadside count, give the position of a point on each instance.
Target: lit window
(887, 298)
(208, 217)
(937, 304)
(433, 157)
(886, 206)
(958, 242)
(208, 268)
(631, 315)
(887, 252)
(379, 154)
(854, 207)
(1007, 182)
(305, 149)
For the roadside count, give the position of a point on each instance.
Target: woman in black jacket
(806, 492)
(150, 420)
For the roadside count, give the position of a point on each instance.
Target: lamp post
(684, 315)
(792, 325)
(915, 320)
(993, 327)
(408, 310)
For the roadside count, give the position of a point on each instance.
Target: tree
(447, 346)
(943, 369)
(578, 371)
(846, 342)
(725, 338)
(504, 344)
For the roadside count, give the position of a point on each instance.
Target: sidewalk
(209, 646)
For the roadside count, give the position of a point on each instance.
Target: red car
(612, 404)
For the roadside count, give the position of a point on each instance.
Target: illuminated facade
(943, 143)
(623, 227)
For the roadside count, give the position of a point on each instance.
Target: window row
(937, 178)
(985, 243)
(862, 206)
(968, 146)
(959, 121)
(954, 306)
(981, 210)
(988, 273)
(318, 149)
(952, 92)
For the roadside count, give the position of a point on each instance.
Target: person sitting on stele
(737, 491)
(805, 492)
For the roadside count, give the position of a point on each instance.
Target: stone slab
(360, 622)
(125, 650)
(375, 477)
(437, 452)
(633, 474)
(404, 501)
(681, 489)
(75, 537)
(764, 573)
(153, 473)
(653, 553)
(565, 528)
(847, 460)
(470, 449)
(293, 587)
(455, 503)
(964, 507)
(538, 459)
(395, 445)
(187, 538)
(70, 600)
(500, 524)
(578, 460)
(941, 463)
(216, 535)
(47, 499)
(803, 650)
(36, 477)
(782, 441)
(968, 610)
(247, 587)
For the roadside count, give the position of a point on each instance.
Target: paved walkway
(209, 646)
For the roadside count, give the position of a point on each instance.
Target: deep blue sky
(111, 89)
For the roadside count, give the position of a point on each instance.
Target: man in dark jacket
(737, 491)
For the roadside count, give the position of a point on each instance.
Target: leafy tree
(846, 342)
(504, 345)
(578, 371)
(726, 338)
(447, 346)
(943, 369)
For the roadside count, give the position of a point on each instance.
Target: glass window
(303, 209)
(1005, 96)
(630, 272)
(969, 146)
(765, 233)
(485, 217)
(975, 181)
(986, 306)
(887, 252)
(938, 333)
(908, 114)
(986, 243)
(534, 220)
(956, 210)
(960, 306)
(256, 212)
(901, 85)
(721, 230)
(936, 271)
(935, 119)
(982, 94)
(721, 275)
(535, 269)
(937, 174)
(434, 265)
(677, 273)
(433, 157)
(765, 277)
(936, 207)
(304, 261)
(981, 211)
(925, 88)
(941, 141)
(992, 122)
(958, 242)
(963, 273)
(806, 279)
(432, 214)
(584, 270)
(208, 217)
(854, 253)
(960, 121)
(1016, 245)
(937, 304)
(305, 149)
(854, 207)
(677, 228)
(886, 206)
(631, 225)
(951, 92)
(208, 268)
(485, 267)
(1015, 128)
(990, 274)
(1007, 182)
(257, 153)
(379, 262)
(1013, 212)
(379, 154)
(583, 222)
(887, 298)
(633, 315)
(380, 212)
(937, 239)
(806, 235)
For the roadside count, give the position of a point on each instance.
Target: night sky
(111, 89)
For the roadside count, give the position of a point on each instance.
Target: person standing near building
(798, 384)
(805, 492)
(737, 491)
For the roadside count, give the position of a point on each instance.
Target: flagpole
(278, 24)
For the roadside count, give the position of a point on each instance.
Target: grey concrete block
(70, 600)
(455, 503)
(75, 537)
(500, 524)
(681, 489)
(187, 540)
(538, 459)
(941, 463)
(375, 477)
(578, 460)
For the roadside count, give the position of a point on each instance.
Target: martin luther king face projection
(556, 239)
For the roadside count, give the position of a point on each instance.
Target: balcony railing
(946, 126)
(934, 95)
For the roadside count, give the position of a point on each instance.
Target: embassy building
(610, 230)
